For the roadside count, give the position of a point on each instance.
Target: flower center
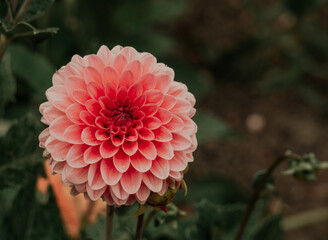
(121, 117)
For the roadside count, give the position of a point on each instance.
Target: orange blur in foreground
(72, 209)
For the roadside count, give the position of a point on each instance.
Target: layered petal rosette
(120, 127)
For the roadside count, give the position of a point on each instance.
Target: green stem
(109, 222)
(22, 11)
(4, 41)
(148, 219)
(257, 192)
(303, 219)
(139, 227)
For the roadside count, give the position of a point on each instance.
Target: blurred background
(258, 69)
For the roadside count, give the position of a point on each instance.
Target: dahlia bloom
(119, 126)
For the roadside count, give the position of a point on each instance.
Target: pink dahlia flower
(119, 126)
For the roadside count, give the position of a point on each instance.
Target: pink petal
(179, 162)
(135, 68)
(154, 96)
(93, 107)
(44, 135)
(76, 175)
(88, 136)
(73, 113)
(81, 96)
(130, 148)
(102, 134)
(95, 179)
(134, 91)
(57, 149)
(131, 181)
(51, 113)
(140, 163)
(163, 82)
(92, 75)
(162, 134)
(180, 142)
(164, 189)
(107, 149)
(96, 62)
(130, 53)
(120, 63)
(109, 173)
(149, 109)
(105, 55)
(160, 168)
(151, 122)
(95, 90)
(126, 79)
(176, 175)
(58, 127)
(118, 139)
(175, 125)
(164, 115)
(139, 101)
(87, 118)
(72, 134)
(73, 83)
(143, 193)
(147, 82)
(153, 183)
(57, 95)
(121, 161)
(110, 91)
(75, 156)
(121, 95)
(146, 134)
(131, 135)
(168, 102)
(110, 76)
(181, 106)
(94, 195)
(119, 192)
(92, 155)
(148, 62)
(164, 150)
(147, 149)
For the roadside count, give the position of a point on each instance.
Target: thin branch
(139, 227)
(256, 194)
(109, 222)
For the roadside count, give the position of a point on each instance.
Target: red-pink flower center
(118, 121)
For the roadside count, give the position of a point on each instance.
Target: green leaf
(37, 9)
(211, 127)
(26, 30)
(269, 229)
(33, 68)
(7, 83)
(20, 155)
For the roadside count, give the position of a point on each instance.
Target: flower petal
(160, 168)
(131, 181)
(75, 156)
(92, 155)
(73, 133)
(107, 149)
(140, 163)
(153, 183)
(147, 149)
(108, 172)
(121, 161)
(95, 179)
